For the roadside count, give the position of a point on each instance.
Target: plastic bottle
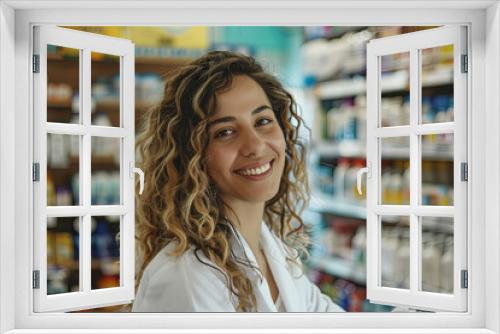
(386, 179)
(402, 260)
(406, 183)
(75, 188)
(51, 191)
(446, 264)
(389, 248)
(359, 252)
(350, 122)
(102, 146)
(339, 178)
(398, 182)
(394, 187)
(360, 103)
(331, 123)
(350, 181)
(431, 255)
(58, 147)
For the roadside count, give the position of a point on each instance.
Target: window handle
(133, 171)
(359, 175)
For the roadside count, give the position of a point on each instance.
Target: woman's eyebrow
(232, 118)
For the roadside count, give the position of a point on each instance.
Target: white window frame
(16, 19)
(123, 49)
(412, 44)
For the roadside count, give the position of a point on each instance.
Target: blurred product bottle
(427, 116)
(360, 102)
(427, 180)
(402, 259)
(395, 187)
(358, 164)
(446, 279)
(406, 183)
(56, 281)
(64, 248)
(385, 181)
(350, 181)
(102, 147)
(51, 191)
(350, 121)
(359, 252)
(330, 242)
(389, 247)
(75, 188)
(63, 196)
(339, 178)
(58, 148)
(431, 256)
(357, 299)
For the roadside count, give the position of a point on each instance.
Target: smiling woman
(219, 222)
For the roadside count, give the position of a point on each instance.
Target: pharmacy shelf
(112, 265)
(325, 204)
(393, 82)
(348, 149)
(353, 149)
(337, 267)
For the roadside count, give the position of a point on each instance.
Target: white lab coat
(183, 284)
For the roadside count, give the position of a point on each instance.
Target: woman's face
(246, 149)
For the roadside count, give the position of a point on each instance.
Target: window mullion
(85, 178)
(415, 271)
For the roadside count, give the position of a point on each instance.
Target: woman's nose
(251, 144)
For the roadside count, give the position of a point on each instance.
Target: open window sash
(84, 131)
(413, 291)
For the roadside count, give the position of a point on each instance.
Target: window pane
(395, 89)
(63, 84)
(395, 170)
(105, 250)
(437, 169)
(437, 84)
(395, 252)
(105, 168)
(63, 165)
(437, 254)
(63, 255)
(106, 84)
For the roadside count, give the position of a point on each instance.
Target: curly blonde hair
(177, 204)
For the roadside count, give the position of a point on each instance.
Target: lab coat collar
(276, 258)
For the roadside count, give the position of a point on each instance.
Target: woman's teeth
(255, 171)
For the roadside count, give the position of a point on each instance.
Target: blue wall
(276, 48)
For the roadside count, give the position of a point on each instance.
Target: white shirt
(183, 284)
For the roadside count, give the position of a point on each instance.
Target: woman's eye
(264, 121)
(223, 133)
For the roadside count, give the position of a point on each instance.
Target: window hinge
(464, 171)
(36, 63)
(36, 279)
(36, 171)
(465, 66)
(464, 279)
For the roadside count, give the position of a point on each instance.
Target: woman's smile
(257, 173)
